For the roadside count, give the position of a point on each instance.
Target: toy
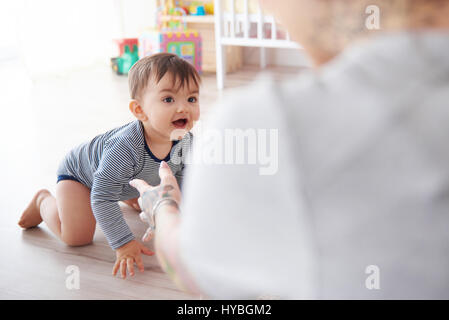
(197, 9)
(172, 36)
(186, 44)
(121, 43)
(171, 7)
(209, 7)
(127, 58)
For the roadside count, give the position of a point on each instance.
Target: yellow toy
(209, 7)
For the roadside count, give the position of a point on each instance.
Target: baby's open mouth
(180, 123)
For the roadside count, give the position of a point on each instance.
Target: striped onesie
(108, 162)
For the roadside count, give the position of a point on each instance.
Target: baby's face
(170, 113)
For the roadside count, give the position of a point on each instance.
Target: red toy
(130, 42)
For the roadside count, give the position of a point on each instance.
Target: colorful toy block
(184, 43)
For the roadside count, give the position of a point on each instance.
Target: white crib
(243, 23)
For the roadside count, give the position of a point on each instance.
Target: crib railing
(245, 27)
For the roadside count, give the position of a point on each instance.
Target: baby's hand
(129, 254)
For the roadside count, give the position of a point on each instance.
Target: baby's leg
(69, 216)
(77, 222)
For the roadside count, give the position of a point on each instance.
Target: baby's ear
(137, 111)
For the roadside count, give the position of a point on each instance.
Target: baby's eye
(192, 100)
(168, 99)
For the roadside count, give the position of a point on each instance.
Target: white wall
(276, 57)
(136, 15)
(8, 29)
(54, 36)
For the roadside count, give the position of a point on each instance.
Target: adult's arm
(167, 221)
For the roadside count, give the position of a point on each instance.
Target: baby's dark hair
(156, 66)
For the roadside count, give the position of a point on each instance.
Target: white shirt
(358, 206)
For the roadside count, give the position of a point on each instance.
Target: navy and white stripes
(108, 162)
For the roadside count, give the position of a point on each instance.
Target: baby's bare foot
(31, 217)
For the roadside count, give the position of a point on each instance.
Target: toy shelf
(205, 25)
(192, 19)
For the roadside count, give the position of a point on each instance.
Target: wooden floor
(41, 120)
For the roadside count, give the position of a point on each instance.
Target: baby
(94, 176)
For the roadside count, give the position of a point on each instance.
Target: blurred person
(358, 207)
